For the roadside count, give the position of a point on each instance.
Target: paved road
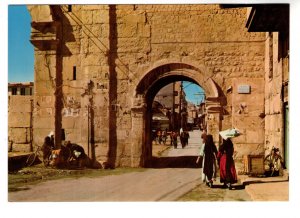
(195, 142)
(166, 184)
(150, 185)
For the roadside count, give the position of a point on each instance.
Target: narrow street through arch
(192, 149)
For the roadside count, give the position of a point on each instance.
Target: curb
(253, 187)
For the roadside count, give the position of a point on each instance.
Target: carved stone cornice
(44, 35)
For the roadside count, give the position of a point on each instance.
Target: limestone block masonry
(98, 68)
(19, 123)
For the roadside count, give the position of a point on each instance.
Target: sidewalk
(267, 188)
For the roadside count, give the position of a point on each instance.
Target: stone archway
(146, 89)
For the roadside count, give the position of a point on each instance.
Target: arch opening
(147, 89)
(176, 127)
(174, 141)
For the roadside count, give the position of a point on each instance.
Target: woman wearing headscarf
(209, 153)
(227, 168)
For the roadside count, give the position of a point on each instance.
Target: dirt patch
(19, 180)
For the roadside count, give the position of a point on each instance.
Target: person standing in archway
(226, 163)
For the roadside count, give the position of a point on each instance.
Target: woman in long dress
(208, 152)
(227, 168)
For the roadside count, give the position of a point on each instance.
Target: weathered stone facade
(20, 123)
(274, 20)
(276, 75)
(99, 67)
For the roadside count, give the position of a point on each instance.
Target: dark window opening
(22, 91)
(14, 91)
(74, 72)
(69, 8)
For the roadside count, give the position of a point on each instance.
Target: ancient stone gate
(98, 68)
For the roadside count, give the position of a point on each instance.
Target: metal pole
(173, 108)
(180, 96)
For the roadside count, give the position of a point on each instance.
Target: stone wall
(19, 123)
(276, 74)
(113, 48)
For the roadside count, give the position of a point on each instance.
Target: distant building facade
(20, 117)
(20, 88)
(173, 98)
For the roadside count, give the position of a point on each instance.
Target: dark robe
(210, 152)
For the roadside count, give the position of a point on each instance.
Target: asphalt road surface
(165, 184)
(150, 185)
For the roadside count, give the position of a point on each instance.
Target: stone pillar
(45, 37)
(137, 137)
(213, 126)
(140, 155)
(213, 110)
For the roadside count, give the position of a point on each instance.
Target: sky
(20, 50)
(194, 93)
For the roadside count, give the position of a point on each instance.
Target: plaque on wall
(244, 89)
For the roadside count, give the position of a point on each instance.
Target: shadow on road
(175, 162)
(15, 163)
(234, 187)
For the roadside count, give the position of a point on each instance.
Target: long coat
(208, 152)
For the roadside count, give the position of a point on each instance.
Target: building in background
(173, 100)
(20, 88)
(20, 116)
(192, 114)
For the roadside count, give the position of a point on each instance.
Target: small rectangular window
(74, 72)
(14, 91)
(69, 8)
(22, 91)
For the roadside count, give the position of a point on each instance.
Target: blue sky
(190, 90)
(20, 50)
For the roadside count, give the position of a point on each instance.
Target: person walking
(187, 138)
(209, 153)
(226, 163)
(174, 138)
